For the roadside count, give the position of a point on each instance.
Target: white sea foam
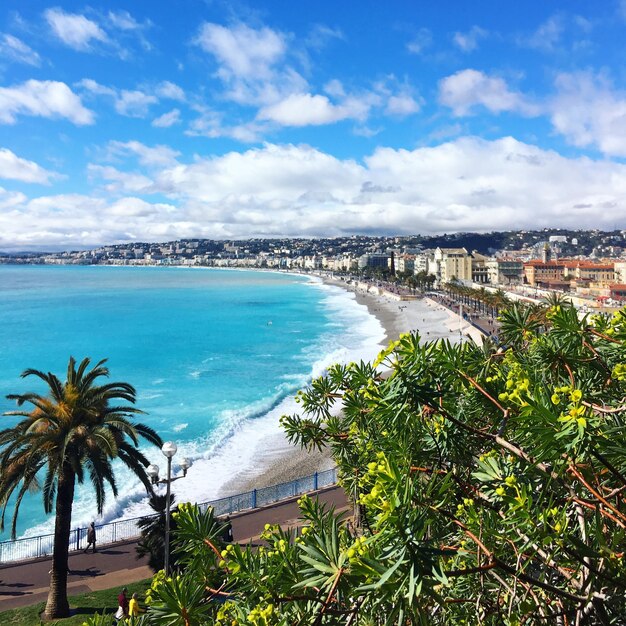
(148, 396)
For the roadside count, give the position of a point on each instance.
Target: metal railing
(40, 546)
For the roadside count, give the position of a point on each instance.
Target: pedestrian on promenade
(133, 606)
(91, 536)
(122, 606)
(227, 533)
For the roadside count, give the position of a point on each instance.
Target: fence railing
(34, 547)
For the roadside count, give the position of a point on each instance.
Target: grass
(83, 606)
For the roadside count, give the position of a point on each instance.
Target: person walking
(133, 606)
(227, 533)
(122, 606)
(91, 537)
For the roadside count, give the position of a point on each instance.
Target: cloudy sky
(152, 121)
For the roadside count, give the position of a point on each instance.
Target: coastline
(277, 460)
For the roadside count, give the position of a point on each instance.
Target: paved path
(24, 584)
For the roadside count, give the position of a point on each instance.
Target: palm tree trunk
(58, 605)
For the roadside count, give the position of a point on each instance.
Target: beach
(277, 460)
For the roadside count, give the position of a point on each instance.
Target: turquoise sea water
(209, 352)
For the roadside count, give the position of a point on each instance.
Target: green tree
(74, 432)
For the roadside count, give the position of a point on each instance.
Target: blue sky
(152, 121)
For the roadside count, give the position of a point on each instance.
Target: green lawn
(83, 605)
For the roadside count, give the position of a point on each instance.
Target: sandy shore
(279, 461)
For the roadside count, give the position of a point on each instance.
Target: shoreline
(278, 461)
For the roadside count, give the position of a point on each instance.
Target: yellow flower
(576, 395)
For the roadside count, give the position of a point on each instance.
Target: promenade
(24, 584)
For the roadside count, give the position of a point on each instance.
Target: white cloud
(305, 109)
(321, 34)
(251, 63)
(210, 123)
(134, 103)
(10, 200)
(468, 41)
(74, 30)
(119, 181)
(461, 185)
(123, 20)
(167, 119)
(75, 220)
(423, 39)
(334, 88)
(470, 88)
(157, 156)
(402, 104)
(588, 111)
(131, 103)
(127, 27)
(50, 99)
(243, 51)
(96, 88)
(15, 168)
(171, 91)
(15, 49)
(468, 184)
(548, 34)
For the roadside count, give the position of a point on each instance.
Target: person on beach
(122, 606)
(91, 537)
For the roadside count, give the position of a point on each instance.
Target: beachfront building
(422, 261)
(588, 272)
(619, 267)
(450, 264)
(505, 271)
(405, 263)
(340, 263)
(374, 259)
(480, 271)
(541, 273)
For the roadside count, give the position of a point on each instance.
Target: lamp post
(168, 449)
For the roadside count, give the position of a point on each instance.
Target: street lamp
(168, 449)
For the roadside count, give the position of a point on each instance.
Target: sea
(216, 357)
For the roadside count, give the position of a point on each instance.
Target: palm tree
(78, 429)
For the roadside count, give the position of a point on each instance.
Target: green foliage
(488, 487)
(489, 480)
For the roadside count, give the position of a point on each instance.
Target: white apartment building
(422, 260)
(451, 263)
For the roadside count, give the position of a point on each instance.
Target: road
(23, 584)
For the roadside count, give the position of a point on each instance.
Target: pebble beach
(279, 461)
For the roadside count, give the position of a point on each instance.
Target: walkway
(487, 324)
(23, 584)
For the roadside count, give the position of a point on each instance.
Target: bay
(209, 351)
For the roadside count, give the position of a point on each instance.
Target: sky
(137, 121)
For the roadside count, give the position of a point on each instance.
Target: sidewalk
(23, 584)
